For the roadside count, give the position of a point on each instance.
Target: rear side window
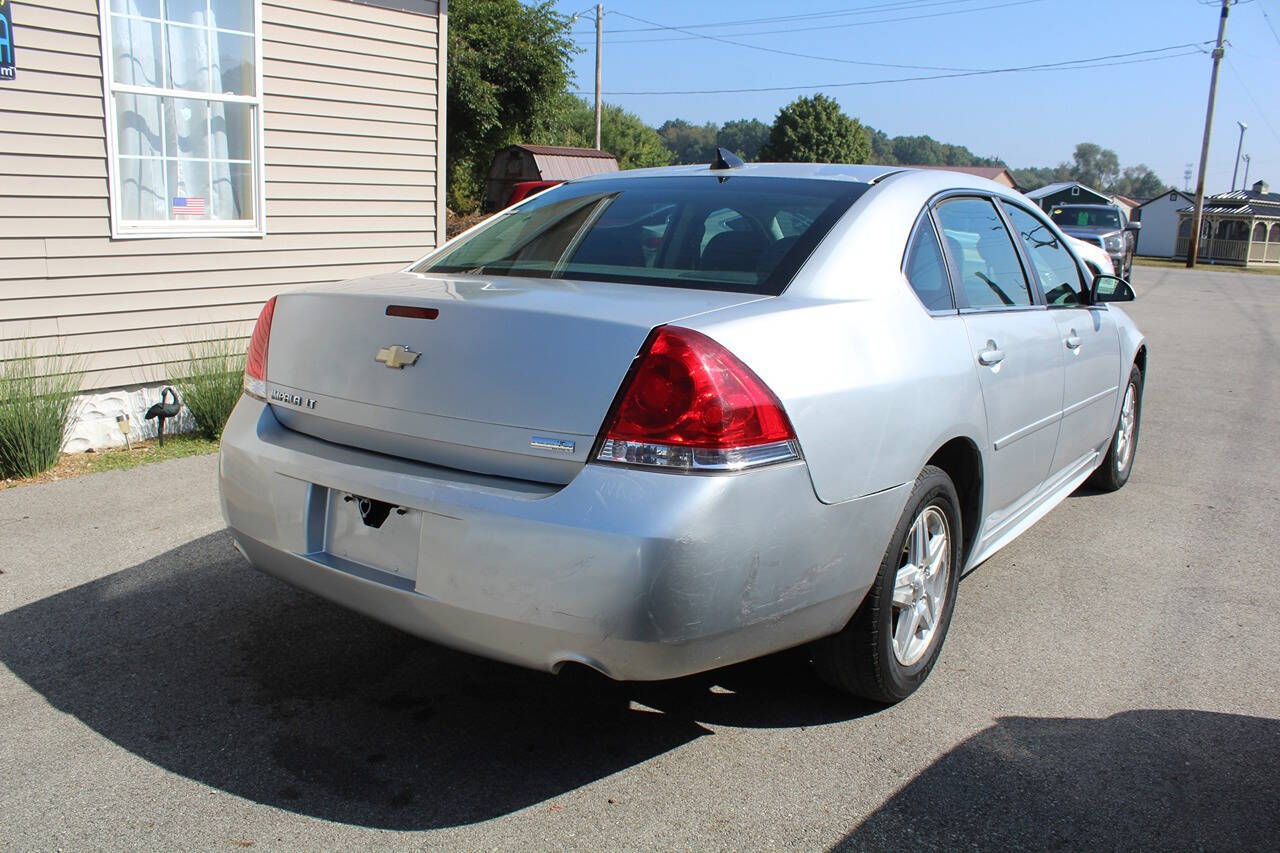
(1052, 263)
(739, 233)
(986, 263)
(927, 271)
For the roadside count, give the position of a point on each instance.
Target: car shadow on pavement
(211, 670)
(1137, 780)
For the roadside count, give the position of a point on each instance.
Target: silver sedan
(662, 421)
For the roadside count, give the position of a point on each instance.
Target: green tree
(569, 120)
(1139, 182)
(1035, 177)
(634, 143)
(816, 130)
(744, 137)
(1095, 166)
(508, 62)
(881, 147)
(689, 143)
(918, 151)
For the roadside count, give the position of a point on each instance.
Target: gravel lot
(1110, 680)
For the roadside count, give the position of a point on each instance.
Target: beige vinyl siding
(349, 115)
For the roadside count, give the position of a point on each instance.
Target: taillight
(255, 361)
(690, 404)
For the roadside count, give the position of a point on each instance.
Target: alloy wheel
(1124, 432)
(920, 589)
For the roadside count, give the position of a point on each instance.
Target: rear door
(1015, 349)
(1089, 339)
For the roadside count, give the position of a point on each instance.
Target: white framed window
(183, 94)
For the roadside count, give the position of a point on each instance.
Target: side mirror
(1135, 227)
(1109, 288)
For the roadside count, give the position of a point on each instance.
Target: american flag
(188, 206)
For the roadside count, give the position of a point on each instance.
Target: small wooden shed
(517, 163)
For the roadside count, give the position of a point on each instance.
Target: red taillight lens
(255, 362)
(690, 403)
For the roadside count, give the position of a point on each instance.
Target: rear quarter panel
(872, 382)
(873, 387)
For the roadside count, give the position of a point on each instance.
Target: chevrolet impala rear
(648, 423)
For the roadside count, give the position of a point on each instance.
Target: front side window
(184, 114)
(927, 271)
(985, 261)
(1050, 261)
(745, 234)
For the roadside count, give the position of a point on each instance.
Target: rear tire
(890, 645)
(1116, 466)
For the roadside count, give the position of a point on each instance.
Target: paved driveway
(1110, 679)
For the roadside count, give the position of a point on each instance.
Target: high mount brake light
(255, 362)
(689, 404)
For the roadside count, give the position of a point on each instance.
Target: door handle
(1073, 340)
(991, 356)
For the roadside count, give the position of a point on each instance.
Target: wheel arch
(962, 461)
(1140, 358)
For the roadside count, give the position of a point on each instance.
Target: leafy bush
(210, 381)
(37, 396)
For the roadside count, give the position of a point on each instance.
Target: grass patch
(77, 464)
(37, 394)
(210, 382)
(1166, 263)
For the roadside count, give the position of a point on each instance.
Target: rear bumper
(641, 575)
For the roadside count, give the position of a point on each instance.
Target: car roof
(824, 171)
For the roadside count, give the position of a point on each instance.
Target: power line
(1072, 64)
(782, 52)
(1257, 105)
(691, 36)
(832, 13)
(1269, 24)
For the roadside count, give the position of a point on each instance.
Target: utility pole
(1245, 184)
(1239, 148)
(599, 46)
(1186, 177)
(1193, 243)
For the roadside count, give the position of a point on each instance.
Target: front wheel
(1118, 463)
(890, 645)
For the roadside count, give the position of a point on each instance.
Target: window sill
(187, 233)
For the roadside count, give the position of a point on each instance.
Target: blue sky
(1150, 113)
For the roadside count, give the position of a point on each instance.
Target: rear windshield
(1085, 217)
(733, 233)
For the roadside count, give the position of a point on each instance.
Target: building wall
(351, 163)
(1064, 196)
(1159, 231)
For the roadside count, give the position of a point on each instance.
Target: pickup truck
(1103, 225)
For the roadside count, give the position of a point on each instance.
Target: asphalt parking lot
(1110, 680)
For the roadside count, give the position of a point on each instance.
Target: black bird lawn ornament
(162, 411)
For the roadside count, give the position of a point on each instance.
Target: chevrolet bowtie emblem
(397, 356)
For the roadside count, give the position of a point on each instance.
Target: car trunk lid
(505, 376)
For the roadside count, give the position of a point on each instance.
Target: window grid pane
(185, 159)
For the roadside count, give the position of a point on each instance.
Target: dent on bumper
(639, 574)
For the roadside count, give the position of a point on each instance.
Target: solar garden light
(123, 421)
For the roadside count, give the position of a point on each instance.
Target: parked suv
(1103, 225)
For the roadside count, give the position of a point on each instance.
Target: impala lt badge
(278, 396)
(397, 356)
(559, 445)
